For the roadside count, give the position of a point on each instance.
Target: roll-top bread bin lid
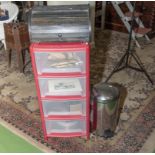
(61, 23)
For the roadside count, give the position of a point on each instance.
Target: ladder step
(140, 31)
(127, 17)
(98, 13)
(136, 14)
(118, 2)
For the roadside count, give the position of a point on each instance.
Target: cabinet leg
(20, 60)
(9, 57)
(23, 56)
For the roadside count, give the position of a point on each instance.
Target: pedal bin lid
(105, 92)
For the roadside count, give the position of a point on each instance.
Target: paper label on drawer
(75, 108)
(64, 86)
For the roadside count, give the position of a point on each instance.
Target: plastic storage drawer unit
(60, 62)
(64, 107)
(65, 126)
(61, 72)
(62, 86)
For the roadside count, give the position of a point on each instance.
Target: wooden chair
(17, 39)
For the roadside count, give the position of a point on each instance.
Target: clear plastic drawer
(70, 107)
(62, 86)
(65, 126)
(60, 62)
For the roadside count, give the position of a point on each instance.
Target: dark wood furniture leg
(20, 60)
(9, 56)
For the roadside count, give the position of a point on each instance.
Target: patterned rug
(19, 101)
(131, 141)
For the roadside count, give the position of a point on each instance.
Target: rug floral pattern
(20, 89)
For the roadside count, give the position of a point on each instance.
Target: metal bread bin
(61, 23)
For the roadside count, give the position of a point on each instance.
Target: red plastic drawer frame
(59, 47)
(64, 76)
(71, 134)
(75, 116)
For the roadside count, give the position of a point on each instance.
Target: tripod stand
(124, 61)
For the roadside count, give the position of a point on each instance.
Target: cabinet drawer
(60, 62)
(58, 107)
(62, 86)
(65, 126)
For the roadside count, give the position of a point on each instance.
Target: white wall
(92, 11)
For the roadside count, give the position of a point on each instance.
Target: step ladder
(141, 31)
